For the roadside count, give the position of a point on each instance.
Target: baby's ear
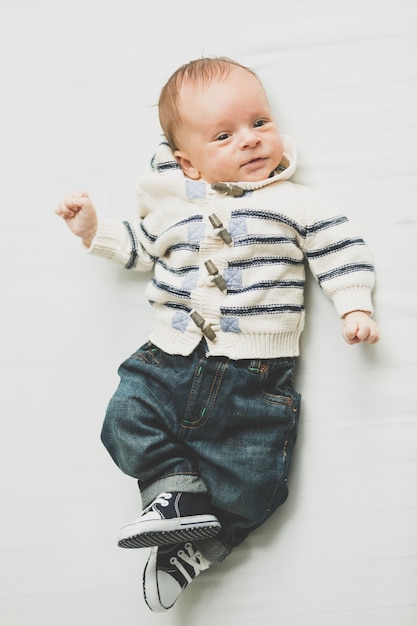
(186, 165)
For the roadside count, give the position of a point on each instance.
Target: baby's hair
(198, 72)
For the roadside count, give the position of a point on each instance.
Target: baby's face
(228, 132)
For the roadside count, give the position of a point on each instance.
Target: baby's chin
(254, 178)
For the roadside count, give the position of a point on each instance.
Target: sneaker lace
(192, 557)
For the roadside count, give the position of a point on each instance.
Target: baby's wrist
(368, 313)
(87, 239)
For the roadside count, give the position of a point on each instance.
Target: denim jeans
(207, 424)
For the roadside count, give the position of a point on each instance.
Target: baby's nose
(249, 138)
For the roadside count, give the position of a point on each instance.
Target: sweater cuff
(353, 299)
(109, 241)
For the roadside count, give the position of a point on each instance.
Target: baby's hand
(359, 326)
(79, 213)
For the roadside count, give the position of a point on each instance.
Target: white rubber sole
(146, 533)
(151, 587)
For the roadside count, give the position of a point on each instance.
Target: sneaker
(169, 570)
(171, 518)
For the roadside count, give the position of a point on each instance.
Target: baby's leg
(244, 444)
(140, 432)
(141, 422)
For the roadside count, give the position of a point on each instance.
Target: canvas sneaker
(171, 518)
(168, 572)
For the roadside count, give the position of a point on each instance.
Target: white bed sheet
(77, 94)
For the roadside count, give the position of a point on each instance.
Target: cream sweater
(229, 261)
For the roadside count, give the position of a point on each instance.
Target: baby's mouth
(254, 161)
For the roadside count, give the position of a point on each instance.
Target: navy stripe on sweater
(268, 284)
(261, 309)
(149, 236)
(345, 269)
(175, 305)
(336, 247)
(188, 220)
(184, 245)
(265, 260)
(329, 223)
(164, 166)
(270, 216)
(177, 271)
(262, 240)
(180, 293)
(134, 247)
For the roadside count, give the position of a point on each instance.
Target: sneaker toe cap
(165, 594)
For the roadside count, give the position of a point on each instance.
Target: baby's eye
(223, 137)
(259, 123)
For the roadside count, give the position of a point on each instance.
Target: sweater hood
(164, 171)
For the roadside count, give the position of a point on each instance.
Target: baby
(205, 416)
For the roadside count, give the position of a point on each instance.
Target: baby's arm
(79, 213)
(359, 326)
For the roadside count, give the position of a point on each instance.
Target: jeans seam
(214, 391)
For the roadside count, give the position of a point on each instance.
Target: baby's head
(217, 120)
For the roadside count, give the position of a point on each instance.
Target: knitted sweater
(229, 261)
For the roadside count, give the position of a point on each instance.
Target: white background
(79, 81)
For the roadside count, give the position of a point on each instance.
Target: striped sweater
(228, 260)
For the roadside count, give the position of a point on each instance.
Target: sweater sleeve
(120, 243)
(339, 259)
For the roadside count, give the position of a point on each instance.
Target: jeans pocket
(277, 384)
(278, 398)
(149, 354)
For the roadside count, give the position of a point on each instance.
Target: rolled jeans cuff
(188, 483)
(213, 549)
